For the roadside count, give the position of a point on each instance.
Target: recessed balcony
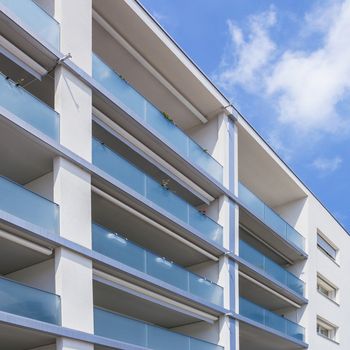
(123, 171)
(121, 249)
(270, 320)
(26, 205)
(21, 300)
(268, 266)
(36, 19)
(255, 212)
(118, 327)
(158, 122)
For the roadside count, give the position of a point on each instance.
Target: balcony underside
(141, 306)
(14, 256)
(253, 273)
(16, 338)
(262, 296)
(253, 224)
(253, 338)
(23, 40)
(22, 159)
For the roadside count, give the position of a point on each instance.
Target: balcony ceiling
(264, 173)
(252, 338)
(145, 35)
(13, 338)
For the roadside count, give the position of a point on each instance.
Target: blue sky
(286, 66)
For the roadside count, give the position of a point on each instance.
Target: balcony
(27, 107)
(21, 300)
(271, 320)
(36, 19)
(270, 218)
(159, 122)
(27, 205)
(121, 249)
(111, 325)
(271, 268)
(120, 169)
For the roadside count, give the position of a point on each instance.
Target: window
(328, 248)
(326, 288)
(326, 329)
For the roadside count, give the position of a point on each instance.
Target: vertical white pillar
(72, 185)
(228, 276)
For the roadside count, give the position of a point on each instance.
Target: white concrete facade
(138, 208)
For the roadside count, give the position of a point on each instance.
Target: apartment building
(138, 208)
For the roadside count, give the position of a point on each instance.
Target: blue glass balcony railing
(21, 300)
(121, 249)
(157, 121)
(260, 261)
(269, 319)
(39, 21)
(27, 205)
(28, 108)
(119, 168)
(269, 217)
(114, 326)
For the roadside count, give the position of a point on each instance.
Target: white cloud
(306, 87)
(310, 85)
(247, 54)
(327, 165)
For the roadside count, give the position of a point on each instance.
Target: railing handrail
(277, 214)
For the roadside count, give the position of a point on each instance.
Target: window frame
(327, 247)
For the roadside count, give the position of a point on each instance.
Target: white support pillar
(72, 185)
(228, 214)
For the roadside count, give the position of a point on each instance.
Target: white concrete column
(72, 185)
(228, 214)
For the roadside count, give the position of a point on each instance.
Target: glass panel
(121, 249)
(295, 331)
(161, 124)
(111, 325)
(118, 327)
(39, 21)
(253, 203)
(167, 271)
(160, 339)
(205, 289)
(275, 222)
(27, 107)
(25, 301)
(26, 205)
(269, 217)
(167, 200)
(118, 167)
(259, 260)
(270, 319)
(118, 248)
